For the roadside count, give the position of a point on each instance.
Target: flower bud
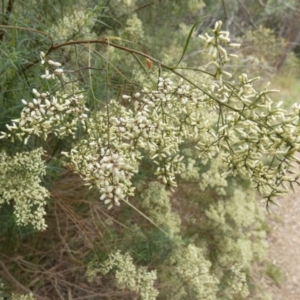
(58, 71)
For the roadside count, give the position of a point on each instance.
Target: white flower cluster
(254, 138)
(110, 172)
(259, 142)
(78, 23)
(13, 296)
(128, 134)
(190, 172)
(136, 279)
(134, 28)
(217, 51)
(58, 114)
(20, 183)
(22, 297)
(50, 66)
(239, 283)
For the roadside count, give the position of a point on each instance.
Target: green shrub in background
(261, 49)
(176, 154)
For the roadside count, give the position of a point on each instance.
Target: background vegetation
(188, 233)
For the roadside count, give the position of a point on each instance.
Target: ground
(284, 242)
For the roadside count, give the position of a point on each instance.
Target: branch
(16, 282)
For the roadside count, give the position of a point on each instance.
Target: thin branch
(16, 282)
(28, 29)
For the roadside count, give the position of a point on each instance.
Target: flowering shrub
(127, 275)
(232, 128)
(20, 184)
(46, 113)
(191, 272)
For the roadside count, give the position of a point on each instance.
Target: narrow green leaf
(140, 63)
(187, 43)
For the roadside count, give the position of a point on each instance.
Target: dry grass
(52, 264)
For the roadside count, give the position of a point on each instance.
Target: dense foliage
(134, 148)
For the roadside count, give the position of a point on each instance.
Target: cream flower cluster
(134, 28)
(22, 297)
(254, 138)
(59, 114)
(215, 46)
(191, 272)
(110, 172)
(243, 246)
(77, 24)
(213, 177)
(136, 279)
(20, 183)
(51, 65)
(239, 283)
(130, 134)
(153, 128)
(258, 140)
(13, 296)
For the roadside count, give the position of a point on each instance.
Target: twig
(17, 283)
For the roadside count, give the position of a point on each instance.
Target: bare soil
(284, 242)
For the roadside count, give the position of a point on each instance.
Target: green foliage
(127, 275)
(261, 49)
(275, 273)
(150, 247)
(156, 203)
